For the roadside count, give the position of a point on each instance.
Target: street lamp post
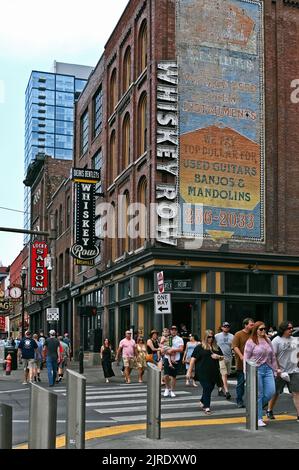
(23, 279)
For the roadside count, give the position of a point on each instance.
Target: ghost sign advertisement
(221, 109)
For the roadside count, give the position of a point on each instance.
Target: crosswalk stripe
(194, 414)
(164, 406)
(144, 400)
(128, 395)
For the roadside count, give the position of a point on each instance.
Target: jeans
(266, 387)
(207, 388)
(240, 390)
(52, 369)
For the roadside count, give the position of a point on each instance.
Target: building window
(98, 112)
(142, 124)
(142, 199)
(125, 222)
(142, 47)
(56, 222)
(126, 142)
(124, 289)
(67, 266)
(84, 132)
(97, 162)
(248, 283)
(236, 282)
(113, 220)
(68, 211)
(60, 271)
(60, 228)
(112, 95)
(111, 294)
(112, 155)
(127, 70)
(293, 285)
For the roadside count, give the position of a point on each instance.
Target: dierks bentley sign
(39, 274)
(84, 249)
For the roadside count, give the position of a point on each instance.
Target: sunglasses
(261, 329)
(289, 328)
(210, 337)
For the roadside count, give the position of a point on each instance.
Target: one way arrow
(161, 308)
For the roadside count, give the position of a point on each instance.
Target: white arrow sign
(162, 303)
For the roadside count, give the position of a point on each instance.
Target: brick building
(49, 180)
(236, 272)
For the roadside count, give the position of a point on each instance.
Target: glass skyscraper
(49, 116)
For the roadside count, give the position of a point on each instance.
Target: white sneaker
(107, 381)
(166, 393)
(24, 383)
(261, 423)
(172, 394)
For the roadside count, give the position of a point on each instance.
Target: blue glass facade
(49, 120)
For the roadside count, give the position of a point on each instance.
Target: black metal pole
(81, 360)
(23, 277)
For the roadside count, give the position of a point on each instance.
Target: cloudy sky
(32, 35)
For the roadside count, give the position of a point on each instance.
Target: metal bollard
(153, 421)
(251, 396)
(81, 360)
(5, 427)
(75, 417)
(42, 418)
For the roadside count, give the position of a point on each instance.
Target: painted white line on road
(16, 390)
(164, 406)
(194, 414)
(144, 400)
(25, 421)
(128, 395)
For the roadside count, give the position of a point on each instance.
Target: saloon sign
(39, 273)
(84, 249)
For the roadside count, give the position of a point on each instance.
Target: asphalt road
(116, 403)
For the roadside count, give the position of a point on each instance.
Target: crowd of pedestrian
(209, 361)
(35, 351)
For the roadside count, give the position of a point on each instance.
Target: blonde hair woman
(206, 357)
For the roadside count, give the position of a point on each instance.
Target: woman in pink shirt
(260, 350)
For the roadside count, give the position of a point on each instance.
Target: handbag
(149, 358)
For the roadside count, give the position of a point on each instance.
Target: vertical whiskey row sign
(84, 249)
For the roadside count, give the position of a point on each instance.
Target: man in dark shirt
(26, 351)
(52, 353)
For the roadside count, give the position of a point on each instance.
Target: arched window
(112, 95)
(68, 211)
(142, 199)
(113, 162)
(126, 141)
(113, 233)
(127, 70)
(142, 124)
(60, 271)
(125, 220)
(142, 47)
(67, 266)
(60, 229)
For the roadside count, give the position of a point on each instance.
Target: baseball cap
(173, 327)
(225, 323)
(52, 332)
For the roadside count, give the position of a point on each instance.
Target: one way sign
(162, 303)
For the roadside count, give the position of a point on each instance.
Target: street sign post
(160, 282)
(53, 314)
(163, 303)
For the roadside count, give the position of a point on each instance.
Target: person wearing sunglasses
(259, 349)
(286, 348)
(206, 357)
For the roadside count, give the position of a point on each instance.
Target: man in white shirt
(286, 348)
(224, 341)
(170, 372)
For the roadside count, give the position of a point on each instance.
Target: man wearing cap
(26, 351)
(170, 373)
(127, 347)
(224, 341)
(51, 352)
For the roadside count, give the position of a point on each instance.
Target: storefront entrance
(235, 312)
(182, 312)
